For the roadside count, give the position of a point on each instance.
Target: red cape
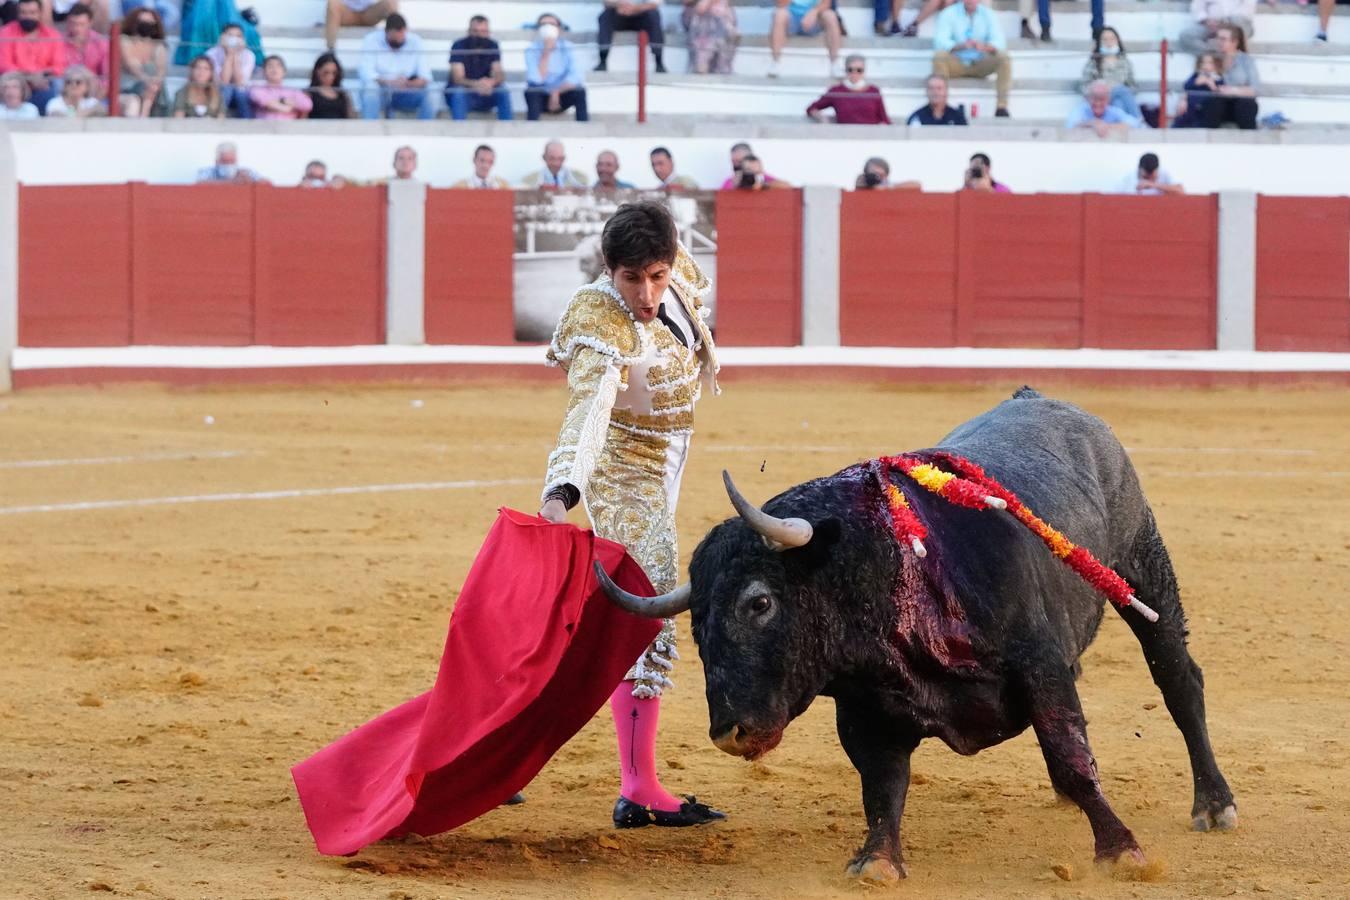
(533, 651)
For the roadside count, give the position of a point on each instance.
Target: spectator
(936, 111)
(1043, 13)
(234, 63)
(553, 79)
(1209, 16)
(1110, 63)
(484, 158)
(555, 175)
(200, 98)
(14, 93)
(854, 101)
(274, 100)
(316, 175)
(712, 35)
(59, 12)
(740, 152)
(167, 10)
(477, 81)
(227, 168)
(34, 51)
(79, 96)
(626, 15)
(1236, 100)
(969, 43)
(327, 97)
(1096, 112)
(1149, 180)
(405, 163)
(204, 20)
(663, 166)
(1206, 81)
(366, 13)
(1324, 9)
(85, 46)
(807, 18)
(926, 10)
(606, 174)
(981, 162)
(753, 177)
(394, 76)
(876, 176)
(145, 60)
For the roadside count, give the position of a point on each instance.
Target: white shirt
(23, 111)
(57, 106)
(381, 63)
(1130, 184)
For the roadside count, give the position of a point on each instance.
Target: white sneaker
(837, 69)
(774, 66)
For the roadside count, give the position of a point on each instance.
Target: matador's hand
(554, 511)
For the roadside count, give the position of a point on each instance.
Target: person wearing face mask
(203, 21)
(316, 175)
(854, 101)
(35, 51)
(145, 60)
(234, 63)
(227, 169)
(1110, 63)
(554, 82)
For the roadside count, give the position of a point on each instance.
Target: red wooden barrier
(75, 266)
(1303, 273)
(759, 268)
(897, 269)
(470, 241)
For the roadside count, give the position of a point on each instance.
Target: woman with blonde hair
(79, 96)
(200, 98)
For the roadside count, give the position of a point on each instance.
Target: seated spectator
(394, 76)
(553, 79)
(1236, 100)
(34, 51)
(1096, 112)
(351, 13)
(405, 164)
(58, 12)
(316, 175)
(807, 18)
(969, 43)
(484, 158)
(274, 100)
(1110, 63)
(555, 175)
(1324, 8)
(167, 10)
(607, 172)
(854, 101)
(936, 111)
(327, 97)
(14, 94)
(626, 15)
(200, 98)
(1206, 81)
(234, 63)
(1208, 16)
(85, 46)
(227, 169)
(78, 98)
(740, 152)
(984, 170)
(753, 177)
(204, 20)
(477, 81)
(1149, 180)
(876, 176)
(1043, 14)
(663, 167)
(712, 35)
(145, 61)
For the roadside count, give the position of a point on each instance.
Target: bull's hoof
(1225, 819)
(1132, 865)
(877, 870)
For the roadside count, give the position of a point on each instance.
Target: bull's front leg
(881, 756)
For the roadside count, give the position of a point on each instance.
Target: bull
(971, 643)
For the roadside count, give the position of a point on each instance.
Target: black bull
(970, 644)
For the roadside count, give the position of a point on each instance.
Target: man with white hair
(555, 176)
(227, 169)
(1097, 113)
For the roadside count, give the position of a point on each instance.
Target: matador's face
(642, 288)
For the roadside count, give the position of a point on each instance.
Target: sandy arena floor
(166, 664)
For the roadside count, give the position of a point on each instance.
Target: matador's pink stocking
(635, 724)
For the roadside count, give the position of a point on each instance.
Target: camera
(871, 179)
(749, 180)
(975, 173)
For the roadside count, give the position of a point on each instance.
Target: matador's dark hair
(638, 235)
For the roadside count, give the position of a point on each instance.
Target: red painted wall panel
(470, 242)
(75, 266)
(897, 269)
(1303, 273)
(759, 268)
(192, 278)
(1150, 272)
(319, 275)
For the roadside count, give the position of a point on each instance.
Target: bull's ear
(824, 535)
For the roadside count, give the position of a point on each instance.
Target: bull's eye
(760, 605)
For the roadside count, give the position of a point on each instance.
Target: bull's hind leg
(1177, 675)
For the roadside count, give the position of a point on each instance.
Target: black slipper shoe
(628, 814)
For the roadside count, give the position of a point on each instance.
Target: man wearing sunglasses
(854, 101)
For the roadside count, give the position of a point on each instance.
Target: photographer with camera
(876, 176)
(980, 176)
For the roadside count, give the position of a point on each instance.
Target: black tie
(670, 323)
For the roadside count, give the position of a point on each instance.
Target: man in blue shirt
(394, 76)
(553, 79)
(969, 43)
(477, 81)
(1097, 113)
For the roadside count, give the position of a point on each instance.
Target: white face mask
(234, 41)
(549, 32)
(856, 85)
(228, 170)
(1109, 51)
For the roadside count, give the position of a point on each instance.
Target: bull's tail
(1027, 392)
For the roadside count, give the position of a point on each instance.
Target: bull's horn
(779, 534)
(662, 607)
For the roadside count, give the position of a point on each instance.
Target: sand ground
(165, 664)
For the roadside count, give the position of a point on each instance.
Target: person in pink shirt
(85, 46)
(739, 151)
(274, 100)
(35, 51)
